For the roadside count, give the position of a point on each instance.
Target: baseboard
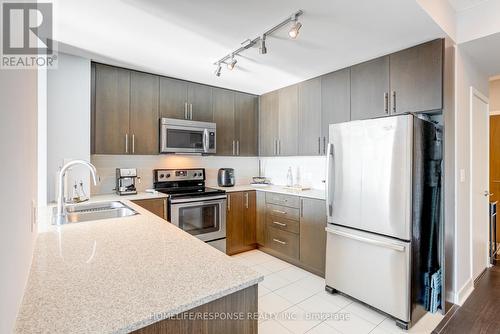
(465, 292)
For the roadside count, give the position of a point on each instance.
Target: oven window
(184, 139)
(200, 219)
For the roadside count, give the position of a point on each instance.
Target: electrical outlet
(462, 175)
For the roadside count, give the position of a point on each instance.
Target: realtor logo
(27, 35)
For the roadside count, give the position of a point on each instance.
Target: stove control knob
(168, 175)
(195, 174)
(162, 176)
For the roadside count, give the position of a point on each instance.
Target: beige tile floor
(292, 300)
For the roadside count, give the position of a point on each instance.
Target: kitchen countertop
(119, 275)
(311, 193)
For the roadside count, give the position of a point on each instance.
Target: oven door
(203, 217)
(179, 136)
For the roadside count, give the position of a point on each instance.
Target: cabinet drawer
(283, 224)
(282, 211)
(280, 199)
(283, 242)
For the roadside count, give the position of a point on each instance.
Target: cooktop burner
(183, 183)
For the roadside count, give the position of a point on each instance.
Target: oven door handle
(197, 199)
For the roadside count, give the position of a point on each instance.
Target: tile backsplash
(307, 171)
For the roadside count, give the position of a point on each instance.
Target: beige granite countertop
(311, 193)
(119, 275)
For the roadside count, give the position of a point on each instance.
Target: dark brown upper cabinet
(185, 100)
(417, 78)
(223, 100)
(111, 112)
(288, 143)
(144, 113)
(268, 124)
(246, 123)
(309, 119)
(370, 89)
(335, 101)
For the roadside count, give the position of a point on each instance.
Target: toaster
(225, 177)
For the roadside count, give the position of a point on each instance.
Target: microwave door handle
(205, 141)
(329, 187)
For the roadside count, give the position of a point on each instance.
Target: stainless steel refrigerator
(383, 209)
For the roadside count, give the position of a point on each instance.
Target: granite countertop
(119, 275)
(311, 193)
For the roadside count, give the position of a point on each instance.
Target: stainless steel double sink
(96, 211)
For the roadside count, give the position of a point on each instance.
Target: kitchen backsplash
(244, 167)
(308, 171)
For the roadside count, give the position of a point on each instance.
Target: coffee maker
(125, 181)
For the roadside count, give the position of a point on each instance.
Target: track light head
(294, 30)
(263, 48)
(231, 63)
(218, 70)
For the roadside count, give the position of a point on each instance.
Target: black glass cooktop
(177, 192)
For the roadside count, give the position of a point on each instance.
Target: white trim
(465, 292)
(478, 94)
(494, 112)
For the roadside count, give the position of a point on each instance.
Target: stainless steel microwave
(185, 136)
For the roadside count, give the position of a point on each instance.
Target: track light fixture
(218, 70)
(230, 59)
(231, 63)
(294, 30)
(263, 48)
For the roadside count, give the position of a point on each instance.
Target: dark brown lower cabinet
(260, 218)
(240, 222)
(154, 205)
(313, 234)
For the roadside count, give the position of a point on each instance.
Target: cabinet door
(417, 78)
(249, 219)
(200, 102)
(156, 206)
(288, 121)
(260, 227)
(246, 127)
(313, 234)
(268, 123)
(335, 101)
(235, 237)
(144, 113)
(370, 89)
(224, 118)
(112, 110)
(310, 117)
(173, 98)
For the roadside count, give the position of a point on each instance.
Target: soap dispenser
(289, 178)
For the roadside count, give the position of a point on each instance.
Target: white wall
(68, 120)
(244, 167)
(311, 170)
(18, 149)
(467, 75)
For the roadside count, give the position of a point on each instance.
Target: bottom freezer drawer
(370, 268)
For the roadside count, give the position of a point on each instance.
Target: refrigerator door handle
(389, 245)
(328, 181)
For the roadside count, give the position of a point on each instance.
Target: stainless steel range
(198, 210)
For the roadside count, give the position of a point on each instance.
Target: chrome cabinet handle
(329, 167)
(386, 102)
(279, 147)
(237, 147)
(233, 148)
(302, 207)
(133, 144)
(280, 224)
(185, 110)
(319, 145)
(394, 101)
(246, 200)
(279, 211)
(276, 147)
(126, 143)
(324, 145)
(228, 202)
(279, 241)
(375, 242)
(191, 111)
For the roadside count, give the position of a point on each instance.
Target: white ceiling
(460, 5)
(484, 52)
(183, 38)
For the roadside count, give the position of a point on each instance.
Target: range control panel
(175, 175)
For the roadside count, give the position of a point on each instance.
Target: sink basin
(96, 211)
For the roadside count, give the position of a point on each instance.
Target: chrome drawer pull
(279, 241)
(280, 224)
(278, 211)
